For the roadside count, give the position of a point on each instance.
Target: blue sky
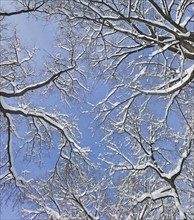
(41, 34)
(32, 32)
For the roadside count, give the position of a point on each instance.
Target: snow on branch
(27, 8)
(189, 75)
(49, 119)
(21, 92)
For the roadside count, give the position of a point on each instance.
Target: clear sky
(37, 32)
(32, 32)
(41, 34)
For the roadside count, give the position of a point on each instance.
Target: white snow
(189, 76)
(160, 193)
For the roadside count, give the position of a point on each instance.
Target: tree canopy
(120, 77)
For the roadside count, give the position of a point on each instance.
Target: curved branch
(180, 85)
(21, 92)
(45, 117)
(22, 11)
